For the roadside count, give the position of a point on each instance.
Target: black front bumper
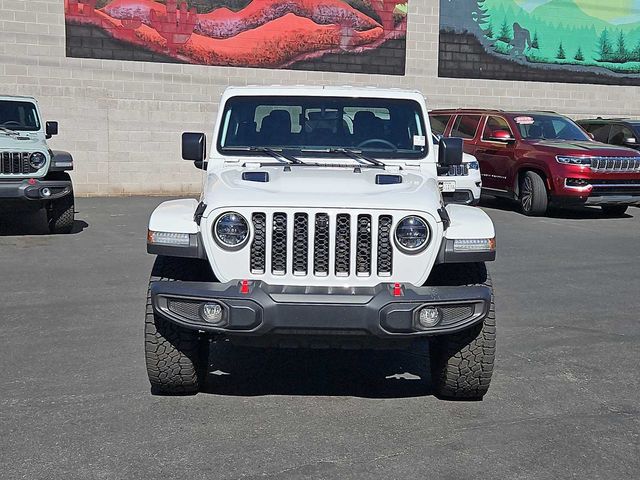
(384, 311)
(34, 190)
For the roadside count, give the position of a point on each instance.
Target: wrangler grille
(615, 164)
(321, 245)
(15, 163)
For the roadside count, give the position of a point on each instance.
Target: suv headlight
(37, 160)
(473, 165)
(573, 160)
(412, 234)
(231, 230)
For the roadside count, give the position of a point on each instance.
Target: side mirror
(51, 129)
(450, 151)
(194, 148)
(501, 136)
(630, 142)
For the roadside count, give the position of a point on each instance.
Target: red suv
(539, 158)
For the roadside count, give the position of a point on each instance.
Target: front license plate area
(447, 186)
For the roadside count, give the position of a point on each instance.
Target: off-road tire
(533, 195)
(176, 358)
(614, 210)
(61, 214)
(462, 363)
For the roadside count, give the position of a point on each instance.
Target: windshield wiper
(8, 130)
(279, 155)
(357, 155)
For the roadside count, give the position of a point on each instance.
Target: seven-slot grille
(15, 163)
(321, 245)
(615, 164)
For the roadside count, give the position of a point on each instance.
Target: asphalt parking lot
(75, 401)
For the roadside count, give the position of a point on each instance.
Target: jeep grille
(15, 163)
(615, 164)
(342, 243)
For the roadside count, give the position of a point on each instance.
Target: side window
(439, 123)
(465, 126)
(494, 124)
(600, 132)
(619, 133)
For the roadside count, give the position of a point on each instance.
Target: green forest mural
(599, 39)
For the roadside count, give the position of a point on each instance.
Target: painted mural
(344, 35)
(549, 40)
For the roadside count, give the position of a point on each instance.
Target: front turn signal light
(474, 245)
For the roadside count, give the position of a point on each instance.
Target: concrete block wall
(122, 120)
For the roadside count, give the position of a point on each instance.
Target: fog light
(45, 192)
(429, 317)
(212, 313)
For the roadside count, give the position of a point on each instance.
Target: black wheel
(462, 363)
(614, 210)
(176, 358)
(533, 194)
(61, 214)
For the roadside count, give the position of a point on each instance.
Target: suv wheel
(533, 194)
(614, 210)
(462, 363)
(176, 358)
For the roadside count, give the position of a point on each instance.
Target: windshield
(19, 116)
(549, 127)
(319, 125)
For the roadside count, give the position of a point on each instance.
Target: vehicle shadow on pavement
(245, 371)
(567, 213)
(20, 223)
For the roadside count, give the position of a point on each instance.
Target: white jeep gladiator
(321, 224)
(32, 176)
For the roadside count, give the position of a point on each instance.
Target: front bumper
(257, 309)
(34, 190)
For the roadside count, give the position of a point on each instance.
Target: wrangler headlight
(37, 160)
(412, 234)
(231, 230)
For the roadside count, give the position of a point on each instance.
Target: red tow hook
(244, 287)
(31, 181)
(397, 290)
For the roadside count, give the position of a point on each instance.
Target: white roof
(17, 97)
(322, 91)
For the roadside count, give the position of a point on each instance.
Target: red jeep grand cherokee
(542, 157)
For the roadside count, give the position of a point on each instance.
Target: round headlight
(412, 234)
(231, 230)
(37, 160)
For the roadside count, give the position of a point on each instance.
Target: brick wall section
(122, 120)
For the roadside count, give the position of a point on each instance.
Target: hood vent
(262, 177)
(385, 179)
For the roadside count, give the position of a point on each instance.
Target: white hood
(325, 187)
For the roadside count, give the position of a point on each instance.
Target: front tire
(614, 210)
(176, 358)
(533, 194)
(61, 214)
(462, 363)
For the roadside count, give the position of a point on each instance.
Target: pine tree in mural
(635, 55)
(561, 55)
(536, 42)
(604, 47)
(579, 56)
(621, 50)
(505, 32)
(489, 30)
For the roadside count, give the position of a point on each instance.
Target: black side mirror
(194, 148)
(450, 151)
(51, 129)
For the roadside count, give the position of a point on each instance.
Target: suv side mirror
(501, 136)
(630, 142)
(450, 151)
(51, 129)
(194, 148)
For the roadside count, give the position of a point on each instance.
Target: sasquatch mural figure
(521, 40)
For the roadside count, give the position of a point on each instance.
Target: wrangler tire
(176, 358)
(462, 363)
(61, 214)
